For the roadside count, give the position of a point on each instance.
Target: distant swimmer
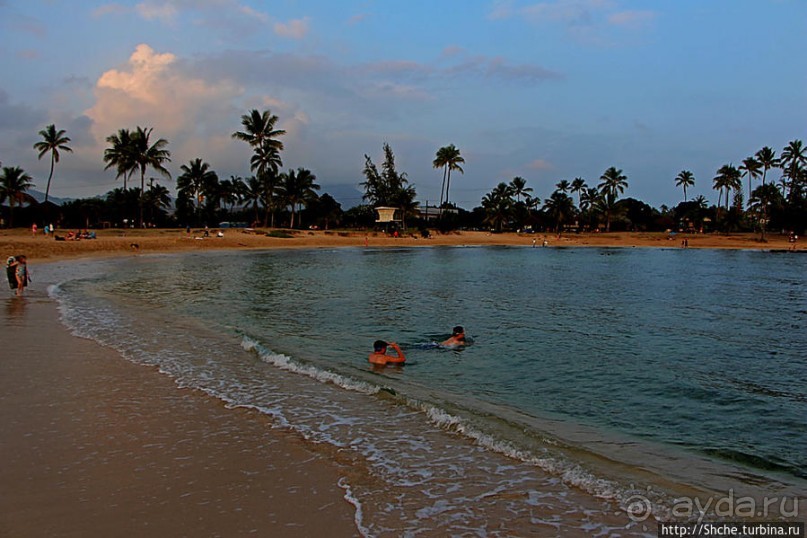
(379, 355)
(457, 337)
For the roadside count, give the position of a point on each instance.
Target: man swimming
(457, 338)
(379, 355)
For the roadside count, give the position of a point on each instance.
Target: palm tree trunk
(142, 192)
(442, 188)
(448, 183)
(47, 189)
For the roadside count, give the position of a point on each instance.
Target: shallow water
(595, 375)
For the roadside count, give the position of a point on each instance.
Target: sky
(545, 90)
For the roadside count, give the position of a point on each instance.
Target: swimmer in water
(457, 338)
(379, 355)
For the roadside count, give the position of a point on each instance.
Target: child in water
(379, 355)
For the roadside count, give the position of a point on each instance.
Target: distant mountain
(346, 194)
(40, 197)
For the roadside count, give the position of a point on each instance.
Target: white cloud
(153, 90)
(165, 12)
(294, 29)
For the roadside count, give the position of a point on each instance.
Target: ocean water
(601, 388)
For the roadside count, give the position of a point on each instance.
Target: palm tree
(146, 154)
(157, 199)
(728, 178)
(685, 179)
(750, 168)
(260, 133)
(612, 184)
(298, 188)
(120, 154)
(767, 159)
(13, 184)
(578, 186)
(449, 159)
(498, 205)
(253, 194)
(518, 185)
(563, 186)
(259, 130)
(231, 191)
(560, 208)
(52, 142)
(762, 200)
(794, 159)
(195, 182)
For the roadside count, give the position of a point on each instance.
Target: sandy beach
(128, 242)
(93, 445)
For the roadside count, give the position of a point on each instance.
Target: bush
(279, 234)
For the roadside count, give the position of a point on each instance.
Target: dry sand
(120, 242)
(93, 445)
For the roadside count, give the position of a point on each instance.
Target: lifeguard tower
(386, 215)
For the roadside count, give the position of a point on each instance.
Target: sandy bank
(93, 445)
(123, 242)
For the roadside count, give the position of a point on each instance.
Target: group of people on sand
(381, 350)
(18, 274)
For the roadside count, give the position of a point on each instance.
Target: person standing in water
(19, 265)
(380, 357)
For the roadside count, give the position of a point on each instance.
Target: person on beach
(19, 265)
(380, 357)
(456, 339)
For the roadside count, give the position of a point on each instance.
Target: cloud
(539, 164)
(502, 9)
(476, 66)
(13, 116)
(584, 20)
(153, 88)
(452, 50)
(165, 12)
(29, 54)
(356, 19)
(229, 17)
(498, 68)
(294, 29)
(109, 9)
(633, 19)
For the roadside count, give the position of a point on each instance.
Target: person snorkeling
(380, 357)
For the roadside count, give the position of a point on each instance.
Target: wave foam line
(358, 516)
(571, 473)
(285, 362)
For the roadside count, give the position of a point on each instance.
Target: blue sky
(546, 90)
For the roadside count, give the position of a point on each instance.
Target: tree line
(271, 197)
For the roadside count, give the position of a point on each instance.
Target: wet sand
(93, 445)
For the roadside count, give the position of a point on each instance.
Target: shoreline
(95, 444)
(119, 242)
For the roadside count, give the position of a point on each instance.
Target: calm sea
(601, 388)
